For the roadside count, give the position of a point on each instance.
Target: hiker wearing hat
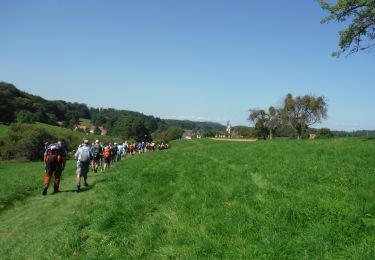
(97, 153)
(84, 157)
(54, 159)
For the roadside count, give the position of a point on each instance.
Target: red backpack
(107, 152)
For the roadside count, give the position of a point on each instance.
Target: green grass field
(201, 199)
(86, 122)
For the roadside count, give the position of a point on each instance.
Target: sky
(203, 60)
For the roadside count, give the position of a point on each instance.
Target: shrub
(24, 116)
(174, 132)
(208, 133)
(24, 141)
(160, 137)
(324, 133)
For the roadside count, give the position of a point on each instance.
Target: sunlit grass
(85, 122)
(280, 199)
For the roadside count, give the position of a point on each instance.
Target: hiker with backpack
(55, 159)
(107, 157)
(84, 157)
(97, 153)
(131, 149)
(113, 148)
(140, 147)
(119, 151)
(125, 148)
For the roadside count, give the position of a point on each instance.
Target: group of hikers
(96, 155)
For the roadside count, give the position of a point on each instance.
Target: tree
(259, 118)
(266, 123)
(98, 120)
(24, 116)
(142, 134)
(274, 120)
(7, 104)
(244, 131)
(208, 133)
(360, 33)
(174, 132)
(324, 133)
(260, 129)
(71, 119)
(302, 112)
(124, 127)
(160, 137)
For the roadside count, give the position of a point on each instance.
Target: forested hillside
(19, 106)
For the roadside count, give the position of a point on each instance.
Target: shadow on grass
(83, 189)
(73, 190)
(8, 204)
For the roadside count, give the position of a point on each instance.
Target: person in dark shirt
(55, 159)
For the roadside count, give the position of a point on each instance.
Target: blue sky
(207, 60)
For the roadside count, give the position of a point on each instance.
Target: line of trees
(140, 127)
(299, 113)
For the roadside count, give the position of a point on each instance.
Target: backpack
(107, 153)
(119, 150)
(52, 155)
(85, 154)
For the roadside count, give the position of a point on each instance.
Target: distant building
(229, 129)
(312, 136)
(91, 129)
(103, 131)
(188, 134)
(82, 128)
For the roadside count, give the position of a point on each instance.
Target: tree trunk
(271, 135)
(299, 133)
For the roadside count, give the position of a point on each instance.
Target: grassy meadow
(201, 199)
